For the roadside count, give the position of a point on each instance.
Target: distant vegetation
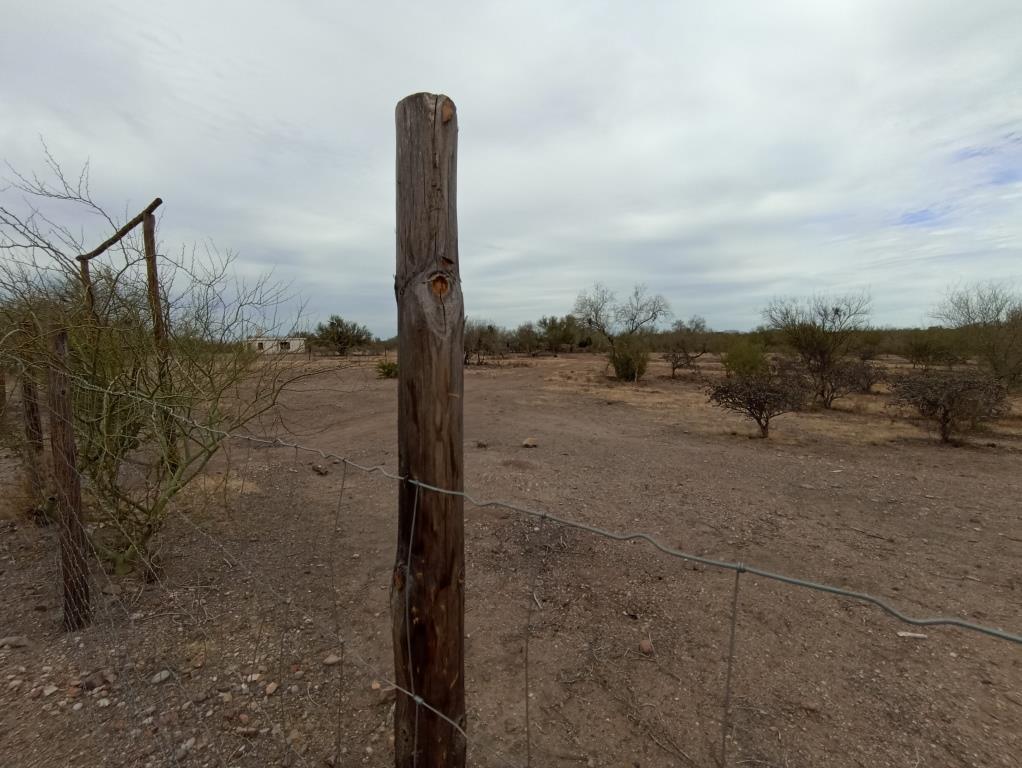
(809, 352)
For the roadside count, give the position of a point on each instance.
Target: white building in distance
(274, 345)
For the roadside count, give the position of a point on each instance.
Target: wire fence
(162, 716)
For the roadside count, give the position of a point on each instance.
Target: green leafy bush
(630, 357)
(745, 358)
(386, 369)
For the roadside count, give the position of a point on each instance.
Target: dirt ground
(234, 657)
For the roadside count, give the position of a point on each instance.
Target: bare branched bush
(149, 412)
(764, 395)
(957, 402)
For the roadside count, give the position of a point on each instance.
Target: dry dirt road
(270, 572)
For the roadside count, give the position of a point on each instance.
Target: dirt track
(851, 498)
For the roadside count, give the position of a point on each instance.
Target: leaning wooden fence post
(427, 595)
(73, 562)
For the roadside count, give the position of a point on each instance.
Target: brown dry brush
(764, 395)
(957, 402)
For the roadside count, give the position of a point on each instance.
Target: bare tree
(821, 331)
(990, 315)
(625, 324)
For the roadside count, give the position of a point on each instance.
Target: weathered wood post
(74, 564)
(427, 595)
(33, 424)
(159, 335)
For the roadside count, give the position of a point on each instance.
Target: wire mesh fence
(261, 635)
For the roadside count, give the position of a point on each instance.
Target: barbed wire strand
(337, 613)
(725, 724)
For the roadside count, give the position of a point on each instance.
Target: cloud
(722, 153)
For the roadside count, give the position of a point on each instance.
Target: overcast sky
(724, 153)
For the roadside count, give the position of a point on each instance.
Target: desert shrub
(956, 401)
(386, 369)
(989, 316)
(624, 325)
(685, 343)
(849, 375)
(929, 348)
(775, 390)
(745, 358)
(862, 375)
(342, 335)
(630, 357)
(150, 410)
(482, 338)
(822, 331)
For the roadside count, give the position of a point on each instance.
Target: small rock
(271, 689)
(97, 679)
(319, 469)
(646, 646)
(253, 678)
(103, 703)
(14, 684)
(184, 749)
(530, 442)
(332, 659)
(14, 641)
(49, 690)
(162, 676)
(246, 731)
(77, 706)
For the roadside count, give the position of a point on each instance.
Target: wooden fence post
(33, 426)
(159, 336)
(427, 595)
(33, 438)
(74, 564)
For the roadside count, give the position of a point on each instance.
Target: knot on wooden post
(439, 283)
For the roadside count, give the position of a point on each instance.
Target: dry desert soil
(266, 639)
